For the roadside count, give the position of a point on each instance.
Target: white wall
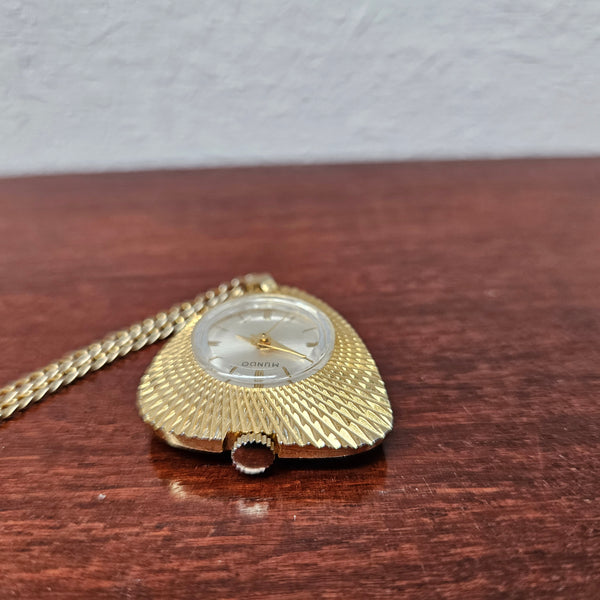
(97, 84)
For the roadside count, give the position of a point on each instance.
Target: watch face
(263, 340)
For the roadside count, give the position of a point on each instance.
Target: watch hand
(279, 322)
(247, 339)
(269, 345)
(281, 348)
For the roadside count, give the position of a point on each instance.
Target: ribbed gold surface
(341, 409)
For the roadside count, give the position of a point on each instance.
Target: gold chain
(19, 394)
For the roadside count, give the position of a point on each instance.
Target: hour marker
(267, 314)
(233, 369)
(213, 343)
(309, 329)
(287, 372)
(214, 357)
(258, 373)
(311, 344)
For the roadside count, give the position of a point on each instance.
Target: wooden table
(475, 285)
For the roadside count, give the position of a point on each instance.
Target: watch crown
(263, 282)
(253, 453)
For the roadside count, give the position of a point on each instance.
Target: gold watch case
(339, 410)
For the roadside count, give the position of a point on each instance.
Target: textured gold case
(340, 410)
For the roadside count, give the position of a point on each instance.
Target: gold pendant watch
(267, 371)
(256, 368)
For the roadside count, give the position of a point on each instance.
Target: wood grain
(475, 285)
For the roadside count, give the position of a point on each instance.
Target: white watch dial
(263, 340)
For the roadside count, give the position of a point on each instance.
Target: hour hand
(276, 346)
(268, 344)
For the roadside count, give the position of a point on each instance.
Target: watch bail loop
(260, 282)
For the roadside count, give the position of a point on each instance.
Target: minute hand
(282, 348)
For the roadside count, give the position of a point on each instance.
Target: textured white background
(99, 84)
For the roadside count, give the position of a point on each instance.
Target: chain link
(19, 394)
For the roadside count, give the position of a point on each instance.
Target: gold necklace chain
(19, 394)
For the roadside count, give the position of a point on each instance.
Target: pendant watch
(263, 371)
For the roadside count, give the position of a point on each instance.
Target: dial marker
(311, 344)
(213, 343)
(287, 372)
(267, 314)
(233, 369)
(258, 373)
(309, 329)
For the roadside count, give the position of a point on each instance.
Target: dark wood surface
(475, 285)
